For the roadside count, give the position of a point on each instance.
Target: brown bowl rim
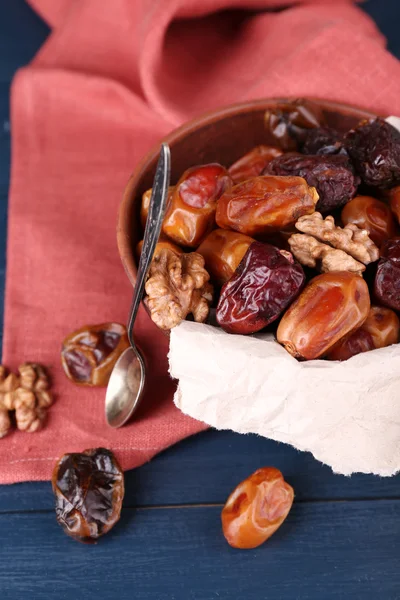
(123, 226)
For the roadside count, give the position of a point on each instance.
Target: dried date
(381, 329)
(144, 208)
(162, 243)
(370, 214)
(331, 306)
(288, 122)
(266, 281)
(332, 177)
(387, 278)
(256, 508)
(89, 354)
(89, 489)
(190, 215)
(323, 140)
(253, 163)
(394, 201)
(222, 251)
(265, 204)
(374, 148)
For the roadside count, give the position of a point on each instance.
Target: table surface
(341, 539)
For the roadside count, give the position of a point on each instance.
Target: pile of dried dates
(301, 238)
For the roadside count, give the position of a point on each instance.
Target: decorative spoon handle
(152, 230)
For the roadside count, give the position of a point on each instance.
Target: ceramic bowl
(221, 136)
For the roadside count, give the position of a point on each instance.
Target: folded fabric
(111, 80)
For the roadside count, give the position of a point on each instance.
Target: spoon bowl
(125, 387)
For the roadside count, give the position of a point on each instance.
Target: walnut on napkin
(178, 285)
(332, 247)
(27, 394)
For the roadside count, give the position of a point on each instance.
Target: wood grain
(323, 551)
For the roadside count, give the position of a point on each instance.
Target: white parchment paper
(346, 413)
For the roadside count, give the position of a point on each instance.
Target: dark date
(374, 148)
(332, 176)
(89, 489)
(266, 281)
(323, 140)
(288, 122)
(387, 278)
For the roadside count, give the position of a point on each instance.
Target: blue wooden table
(341, 539)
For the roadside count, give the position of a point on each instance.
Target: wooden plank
(206, 467)
(323, 551)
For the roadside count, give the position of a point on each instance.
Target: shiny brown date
(288, 122)
(394, 201)
(89, 354)
(222, 251)
(256, 508)
(266, 281)
(162, 243)
(331, 306)
(253, 163)
(89, 489)
(144, 209)
(190, 215)
(370, 214)
(381, 329)
(265, 204)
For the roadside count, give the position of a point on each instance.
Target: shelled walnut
(33, 397)
(310, 253)
(27, 394)
(333, 247)
(178, 285)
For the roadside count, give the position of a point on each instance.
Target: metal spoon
(126, 383)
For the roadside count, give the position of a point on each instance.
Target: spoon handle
(152, 230)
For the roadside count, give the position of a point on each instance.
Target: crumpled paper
(347, 414)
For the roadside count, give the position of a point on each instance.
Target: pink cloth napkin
(111, 80)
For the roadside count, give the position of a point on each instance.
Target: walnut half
(27, 394)
(310, 252)
(177, 285)
(351, 239)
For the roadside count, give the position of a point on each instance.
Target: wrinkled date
(331, 306)
(253, 163)
(222, 251)
(387, 278)
(381, 329)
(256, 508)
(264, 284)
(89, 354)
(89, 489)
(330, 175)
(374, 147)
(370, 214)
(323, 140)
(265, 204)
(191, 211)
(288, 122)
